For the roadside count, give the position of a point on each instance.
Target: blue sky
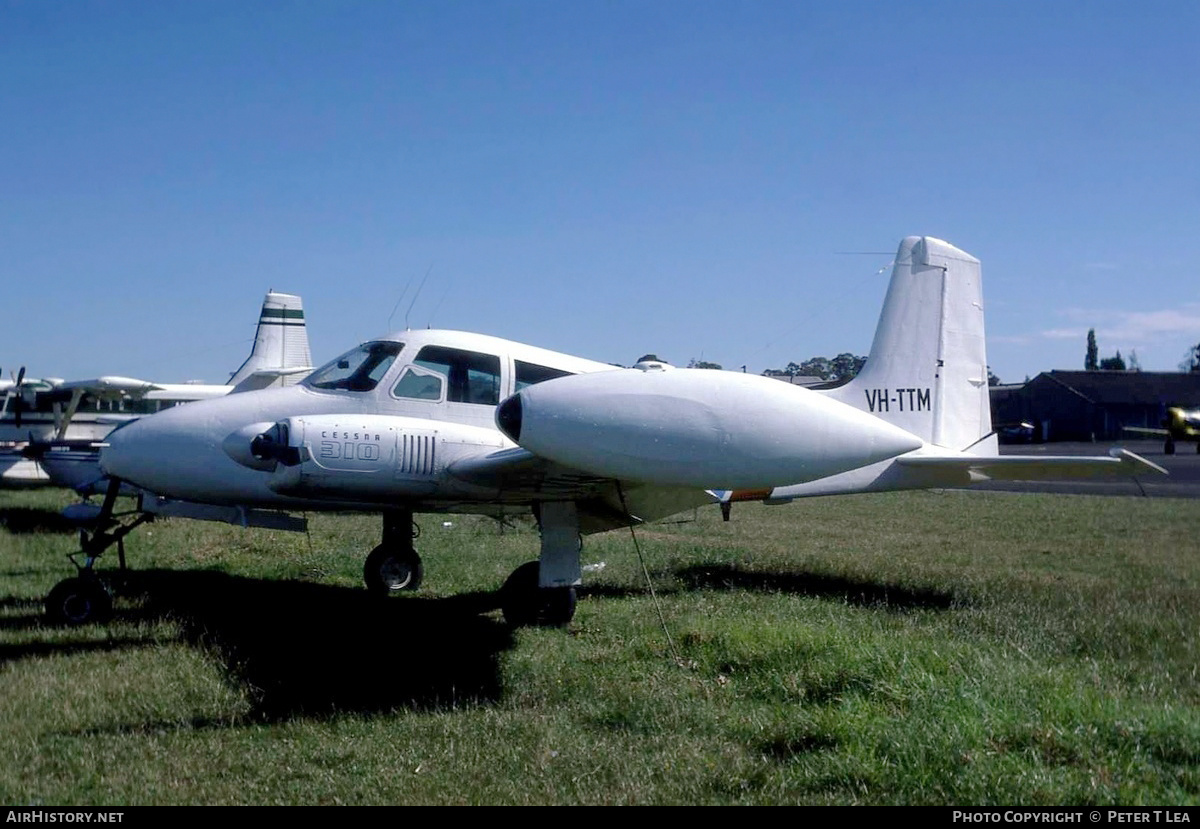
(600, 178)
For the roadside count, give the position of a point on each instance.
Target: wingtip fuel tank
(696, 428)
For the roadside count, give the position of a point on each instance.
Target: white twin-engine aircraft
(444, 421)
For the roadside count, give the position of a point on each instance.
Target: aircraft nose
(129, 454)
(160, 453)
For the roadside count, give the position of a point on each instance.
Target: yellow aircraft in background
(1180, 424)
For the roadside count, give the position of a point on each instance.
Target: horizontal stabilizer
(264, 378)
(1119, 463)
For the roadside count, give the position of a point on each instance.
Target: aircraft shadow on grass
(312, 649)
(23, 520)
(21, 602)
(859, 592)
(305, 649)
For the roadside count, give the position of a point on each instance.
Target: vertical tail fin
(927, 370)
(280, 355)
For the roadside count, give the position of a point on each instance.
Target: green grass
(952, 648)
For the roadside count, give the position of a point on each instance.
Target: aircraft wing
(1036, 467)
(520, 469)
(604, 503)
(110, 386)
(1146, 430)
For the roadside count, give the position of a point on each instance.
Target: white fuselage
(411, 421)
(182, 453)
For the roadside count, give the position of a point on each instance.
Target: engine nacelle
(703, 428)
(373, 458)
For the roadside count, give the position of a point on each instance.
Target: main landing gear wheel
(524, 603)
(389, 570)
(78, 601)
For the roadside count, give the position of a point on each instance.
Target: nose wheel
(389, 570)
(79, 601)
(85, 599)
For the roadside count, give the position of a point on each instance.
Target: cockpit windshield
(357, 370)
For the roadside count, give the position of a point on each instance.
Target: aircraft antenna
(397, 305)
(437, 307)
(417, 294)
(650, 584)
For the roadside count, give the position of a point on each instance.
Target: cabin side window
(529, 374)
(466, 376)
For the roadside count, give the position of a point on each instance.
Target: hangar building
(1093, 405)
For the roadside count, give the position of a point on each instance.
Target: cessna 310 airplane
(444, 421)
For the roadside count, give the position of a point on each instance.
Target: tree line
(842, 367)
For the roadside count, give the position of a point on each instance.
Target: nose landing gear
(79, 601)
(85, 598)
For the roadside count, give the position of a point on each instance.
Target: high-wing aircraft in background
(16, 469)
(444, 421)
(53, 426)
(1180, 426)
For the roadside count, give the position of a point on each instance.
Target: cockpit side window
(357, 370)
(470, 377)
(529, 374)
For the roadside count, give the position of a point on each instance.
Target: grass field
(933, 648)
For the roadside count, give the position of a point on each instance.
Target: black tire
(388, 570)
(78, 601)
(1169, 447)
(525, 604)
(557, 606)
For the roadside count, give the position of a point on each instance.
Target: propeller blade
(18, 397)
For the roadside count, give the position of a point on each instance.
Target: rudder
(927, 370)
